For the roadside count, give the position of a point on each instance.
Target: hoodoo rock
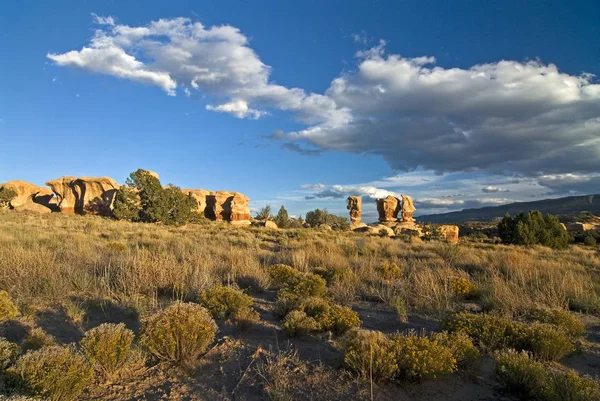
(449, 234)
(354, 205)
(388, 209)
(85, 195)
(199, 196)
(408, 209)
(228, 206)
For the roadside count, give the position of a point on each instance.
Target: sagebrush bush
(531, 379)
(223, 302)
(389, 270)
(545, 342)
(419, 358)
(108, 347)
(340, 319)
(37, 339)
(243, 319)
(460, 345)
(56, 373)
(281, 274)
(305, 285)
(370, 354)
(298, 323)
(8, 310)
(563, 320)
(178, 334)
(521, 374)
(8, 353)
(464, 288)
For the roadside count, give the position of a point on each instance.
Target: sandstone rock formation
(199, 196)
(85, 195)
(449, 234)
(407, 208)
(388, 209)
(578, 227)
(354, 204)
(378, 229)
(228, 206)
(28, 193)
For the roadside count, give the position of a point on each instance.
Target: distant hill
(560, 206)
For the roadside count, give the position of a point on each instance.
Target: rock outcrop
(228, 206)
(85, 195)
(354, 205)
(449, 234)
(408, 209)
(578, 227)
(28, 193)
(388, 209)
(199, 196)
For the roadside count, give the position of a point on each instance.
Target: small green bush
(521, 374)
(589, 240)
(37, 339)
(178, 334)
(108, 347)
(531, 379)
(8, 310)
(370, 354)
(8, 353)
(243, 319)
(305, 285)
(282, 275)
(420, 358)
(545, 342)
(533, 228)
(56, 373)
(399, 306)
(563, 320)
(464, 288)
(389, 270)
(340, 319)
(223, 302)
(460, 345)
(298, 323)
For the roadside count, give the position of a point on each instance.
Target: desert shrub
(545, 342)
(8, 353)
(285, 303)
(305, 285)
(6, 195)
(318, 217)
(399, 306)
(107, 347)
(490, 332)
(224, 302)
(57, 373)
(562, 319)
(589, 240)
(521, 374)
(340, 319)
(37, 339)
(494, 333)
(419, 358)
(531, 379)
(533, 228)
(298, 323)
(178, 334)
(8, 310)
(389, 270)
(568, 386)
(279, 372)
(243, 319)
(460, 345)
(282, 274)
(464, 288)
(370, 354)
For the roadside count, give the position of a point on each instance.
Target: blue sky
(458, 104)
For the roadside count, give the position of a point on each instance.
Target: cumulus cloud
(521, 118)
(491, 189)
(178, 53)
(578, 183)
(505, 116)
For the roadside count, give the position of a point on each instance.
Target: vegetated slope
(559, 206)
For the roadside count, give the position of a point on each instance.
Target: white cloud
(576, 183)
(491, 189)
(360, 37)
(238, 108)
(312, 186)
(103, 20)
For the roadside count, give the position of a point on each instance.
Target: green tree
(533, 228)
(282, 219)
(6, 195)
(317, 217)
(155, 204)
(264, 214)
